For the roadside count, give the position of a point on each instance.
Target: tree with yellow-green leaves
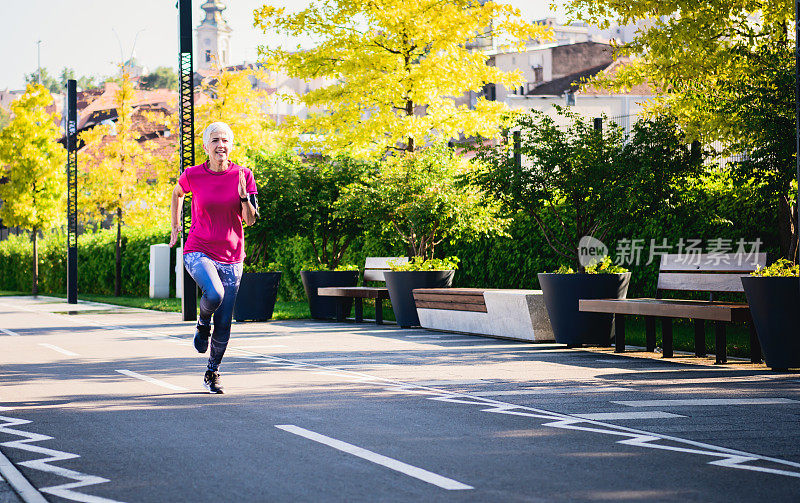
(725, 70)
(123, 176)
(245, 108)
(32, 161)
(396, 69)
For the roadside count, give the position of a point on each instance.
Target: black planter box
(256, 298)
(561, 294)
(775, 308)
(323, 308)
(401, 284)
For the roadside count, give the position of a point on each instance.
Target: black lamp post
(71, 126)
(189, 298)
(797, 107)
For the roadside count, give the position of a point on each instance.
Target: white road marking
(26, 491)
(26, 443)
(445, 339)
(9, 332)
(393, 464)
(721, 456)
(151, 380)
(705, 401)
(451, 382)
(260, 347)
(60, 350)
(708, 380)
(612, 416)
(550, 391)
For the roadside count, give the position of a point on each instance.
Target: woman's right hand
(176, 232)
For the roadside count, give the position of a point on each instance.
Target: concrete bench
(512, 314)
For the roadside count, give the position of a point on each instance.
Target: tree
(245, 108)
(48, 81)
(163, 77)
(417, 197)
(85, 83)
(569, 172)
(301, 197)
(57, 86)
(33, 161)
(765, 103)
(692, 52)
(395, 69)
(125, 177)
(5, 118)
(724, 69)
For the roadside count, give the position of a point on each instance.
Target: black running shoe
(201, 335)
(212, 383)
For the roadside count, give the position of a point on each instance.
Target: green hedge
(96, 261)
(712, 206)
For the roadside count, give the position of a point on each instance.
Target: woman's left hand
(242, 184)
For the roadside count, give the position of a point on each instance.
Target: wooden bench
(510, 314)
(374, 267)
(451, 299)
(703, 273)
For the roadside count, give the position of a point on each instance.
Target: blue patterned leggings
(219, 283)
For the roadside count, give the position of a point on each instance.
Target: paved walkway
(106, 404)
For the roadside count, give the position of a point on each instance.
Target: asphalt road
(107, 404)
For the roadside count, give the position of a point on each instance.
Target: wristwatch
(243, 199)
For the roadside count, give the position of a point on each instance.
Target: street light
(39, 62)
(797, 110)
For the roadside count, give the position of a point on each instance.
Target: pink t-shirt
(216, 211)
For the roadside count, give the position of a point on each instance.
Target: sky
(93, 36)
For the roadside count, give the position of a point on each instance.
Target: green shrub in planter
(773, 294)
(563, 290)
(422, 264)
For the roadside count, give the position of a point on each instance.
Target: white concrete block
(179, 272)
(515, 314)
(159, 271)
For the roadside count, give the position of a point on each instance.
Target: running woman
(223, 195)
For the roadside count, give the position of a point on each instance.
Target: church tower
(213, 37)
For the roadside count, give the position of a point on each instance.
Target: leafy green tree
(163, 77)
(765, 106)
(575, 180)
(281, 197)
(694, 52)
(66, 74)
(125, 177)
(85, 83)
(33, 161)
(568, 171)
(417, 198)
(725, 69)
(395, 69)
(57, 86)
(48, 81)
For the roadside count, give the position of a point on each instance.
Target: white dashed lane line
(151, 380)
(615, 416)
(9, 332)
(393, 464)
(551, 391)
(705, 401)
(58, 349)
